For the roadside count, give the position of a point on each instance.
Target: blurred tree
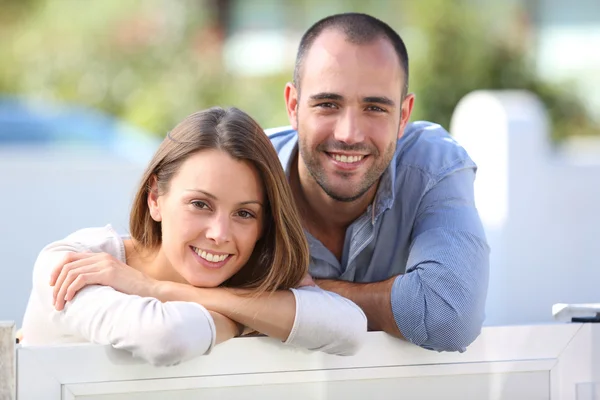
(461, 47)
(152, 62)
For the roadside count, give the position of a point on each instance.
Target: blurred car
(26, 122)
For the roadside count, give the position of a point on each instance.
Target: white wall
(541, 211)
(45, 194)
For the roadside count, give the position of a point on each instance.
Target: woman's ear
(153, 204)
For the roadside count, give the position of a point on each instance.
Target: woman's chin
(205, 282)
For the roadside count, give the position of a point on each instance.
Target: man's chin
(343, 196)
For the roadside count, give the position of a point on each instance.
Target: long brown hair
(280, 258)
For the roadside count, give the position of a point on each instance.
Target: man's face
(349, 113)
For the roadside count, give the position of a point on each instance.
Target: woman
(216, 245)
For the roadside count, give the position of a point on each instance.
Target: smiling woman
(216, 248)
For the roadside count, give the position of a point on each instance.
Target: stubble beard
(316, 171)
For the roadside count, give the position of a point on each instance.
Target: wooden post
(7, 361)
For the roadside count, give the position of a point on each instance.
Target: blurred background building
(88, 90)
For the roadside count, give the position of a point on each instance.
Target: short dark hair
(359, 29)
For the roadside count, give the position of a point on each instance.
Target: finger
(19, 335)
(61, 297)
(68, 258)
(66, 269)
(71, 261)
(82, 280)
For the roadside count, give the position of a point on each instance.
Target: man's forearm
(373, 298)
(272, 314)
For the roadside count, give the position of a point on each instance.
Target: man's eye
(199, 204)
(326, 105)
(375, 108)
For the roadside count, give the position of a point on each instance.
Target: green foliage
(153, 62)
(461, 48)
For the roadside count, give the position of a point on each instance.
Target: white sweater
(171, 332)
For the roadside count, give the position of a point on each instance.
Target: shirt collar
(386, 191)
(287, 154)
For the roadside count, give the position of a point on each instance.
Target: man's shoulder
(280, 136)
(429, 147)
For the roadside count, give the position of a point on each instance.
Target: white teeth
(209, 256)
(347, 159)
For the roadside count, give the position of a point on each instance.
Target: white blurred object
(538, 204)
(586, 311)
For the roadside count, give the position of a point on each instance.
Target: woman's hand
(78, 270)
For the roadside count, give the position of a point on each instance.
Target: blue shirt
(423, 228)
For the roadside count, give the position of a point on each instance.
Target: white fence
(555, 362)
(541, 210)
(7, 361)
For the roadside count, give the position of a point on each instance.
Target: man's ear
(153, 205)
(407, 107)
(291, 104)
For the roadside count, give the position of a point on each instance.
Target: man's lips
(347, 161)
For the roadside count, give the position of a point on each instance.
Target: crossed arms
(439, 302)
(168, 323)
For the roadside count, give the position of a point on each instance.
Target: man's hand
(373, 298)
(307, 281)
(78, 270)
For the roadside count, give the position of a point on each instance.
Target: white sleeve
(326, 321)
(160, 333)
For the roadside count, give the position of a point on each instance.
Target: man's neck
(319, 211)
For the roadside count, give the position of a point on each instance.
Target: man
(387, 206)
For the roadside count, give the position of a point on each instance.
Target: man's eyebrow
(326, 96)
(380, 100)
(212, 196)
(369, 99)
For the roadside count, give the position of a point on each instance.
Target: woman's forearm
(272, 314)
(226, 328)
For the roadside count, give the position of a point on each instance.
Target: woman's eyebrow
(212, 196)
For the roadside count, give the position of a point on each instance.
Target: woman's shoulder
(103, 239)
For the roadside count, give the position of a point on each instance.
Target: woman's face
(211, 216)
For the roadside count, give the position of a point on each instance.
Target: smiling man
(387, 205)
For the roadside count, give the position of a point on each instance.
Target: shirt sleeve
(439, 303)
(326, 321)
(160, 333)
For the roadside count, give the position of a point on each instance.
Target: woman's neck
(150, 262)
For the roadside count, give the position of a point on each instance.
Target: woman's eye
(199, 204)
(245, 214)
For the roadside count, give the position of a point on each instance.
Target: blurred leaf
(153, 62)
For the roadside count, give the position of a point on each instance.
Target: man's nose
(348, 129)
